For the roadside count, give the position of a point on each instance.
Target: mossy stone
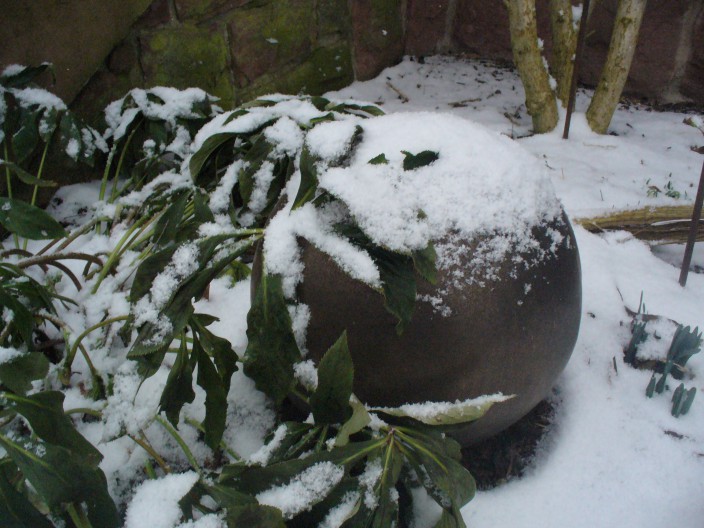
(325, 69)
(378, 35)
(334, 19)
(268, 38)
(187, 56)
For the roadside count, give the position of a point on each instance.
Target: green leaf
(209, 146)
(45, 413)
(26, 138)
(148, 270)
(26, 75)
(24, 176)
(152, 337)
(309, 179)
(48, 124)
(215, 397)
(70, 135)
(448, 414)
(397, 274)
(349, 108)
(15, 509)
(298, 438)
(28, 221)
(359, 420)
(254, 159)
(272, 349)
(166, 229)
(19, 373)
(179, 387)
(424, 262)
(219, 348)
(379, 160)
(415, 161)
(254, 516)
(61, 476)
(330, 402)
(22, 318)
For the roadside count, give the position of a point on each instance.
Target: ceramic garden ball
(404, 191)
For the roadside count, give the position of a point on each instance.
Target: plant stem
(186, 450)
(39, 173)
(149, 470)
(9, 188)
(118, 251)
(72, 351)
(85, 410)
(78, 516)
(106, 173)
(144, 444)
(113, 193)
(197, 425)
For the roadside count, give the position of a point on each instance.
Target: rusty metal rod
(696, 216)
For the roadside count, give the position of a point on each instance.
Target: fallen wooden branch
(663, 225)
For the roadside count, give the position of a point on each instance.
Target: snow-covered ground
(612, 456)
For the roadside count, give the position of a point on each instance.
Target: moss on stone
(326, 69)
(188, 56)
(268, 38)
(334, 19)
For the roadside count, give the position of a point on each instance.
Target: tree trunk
(564, 45)
(540, 99)
(618, 62)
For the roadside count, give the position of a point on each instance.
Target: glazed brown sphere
(512, 334)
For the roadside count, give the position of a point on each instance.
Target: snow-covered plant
(685, 343)
(31, 119)
(149, 133)
(191, 193)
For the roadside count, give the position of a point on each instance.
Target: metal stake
(696, 217)
(581, 36)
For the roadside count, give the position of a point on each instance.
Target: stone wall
(238, 49)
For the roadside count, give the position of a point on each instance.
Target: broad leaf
(272, 350)
(254, 516)
(28, 221)
(359, 420)
(215, 396)
(45, 413)
(209, 146)
(397, 274)
(21, 78)
(26, 138)
(446, 413)
(379, 160)
(24, 176)
(166, 229)
(61, 476)
(15, 509)
(415, 161)
(179, 387)
(424, 262)
(309, 179)
(254, 159)
(330, 402)
(19, 373)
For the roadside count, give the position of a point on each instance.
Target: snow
(610, 457)
(304, 490)
(155, 503)
(9, 354)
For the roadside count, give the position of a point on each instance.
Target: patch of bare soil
(497, 460)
